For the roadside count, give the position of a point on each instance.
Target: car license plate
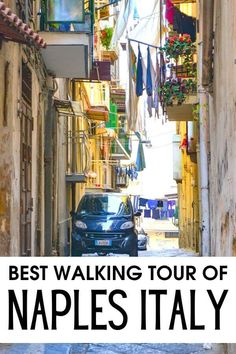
(103, 243)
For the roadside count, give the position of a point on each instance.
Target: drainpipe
(48, 172)
(74, 150)
(204, 178)
(205, 80)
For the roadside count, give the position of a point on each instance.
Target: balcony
(67, 28)
(109, 55)
(78, 158)
(184, 111)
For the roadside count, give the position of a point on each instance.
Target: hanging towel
(169, 12)
(149, 74)
(140, 160)
(147, 213)
(133, 61)
(131, 98)
(139, 79)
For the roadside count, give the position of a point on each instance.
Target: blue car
(103, 224)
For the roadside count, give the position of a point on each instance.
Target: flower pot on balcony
(184, 111)
(109, 55)
(100, 113)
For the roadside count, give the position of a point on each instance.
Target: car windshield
(115, 205)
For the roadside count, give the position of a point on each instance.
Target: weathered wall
(222, 119)
(222, 113)
(9, 150)
(188, 198)
(11, 55)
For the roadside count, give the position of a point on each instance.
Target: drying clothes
(156, 86)
(133, 65)
(162, 69)
(142, 202)
(169, 15)
(155, 214)
(140, 160)
(184, 24)
(152, 203)
(139, 78)
(149, 74)
(147, 213)
(150, 105)
(131, 102)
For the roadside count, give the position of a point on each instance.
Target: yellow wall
(188, 195)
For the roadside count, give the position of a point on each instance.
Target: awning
(12, 28)
(98, 113)
(69, 108)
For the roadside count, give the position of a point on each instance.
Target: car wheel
(134, 252)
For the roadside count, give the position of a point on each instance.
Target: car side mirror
(138, 213)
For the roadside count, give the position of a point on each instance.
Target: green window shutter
(113, 121)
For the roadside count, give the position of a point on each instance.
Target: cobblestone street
(111, 349)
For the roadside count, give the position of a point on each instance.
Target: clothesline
(149, 45)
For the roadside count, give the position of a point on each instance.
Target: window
(65, 11)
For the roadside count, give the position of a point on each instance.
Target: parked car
(104, 223)
(142, 239)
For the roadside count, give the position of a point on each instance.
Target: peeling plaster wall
(9, 151)
(10, 144)
(222, 113)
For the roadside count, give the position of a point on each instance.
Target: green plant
(106, 36)
(178, 46)
(196, 111)
(176, 90)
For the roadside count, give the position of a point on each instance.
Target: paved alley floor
(111, 349)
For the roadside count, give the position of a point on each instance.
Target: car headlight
(80, 225)
(127, 225)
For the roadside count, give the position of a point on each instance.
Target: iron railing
(78, 156)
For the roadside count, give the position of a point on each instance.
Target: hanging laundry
(156, 86)
(147, 213)
(156, 214)
(150, 83)
(142, 202)
(184, 24)
(133, 61)
(169, 14)
(162, 69)
(149, 74)
(139, 80)
(140, 160)
(131, 98)
(144, 67)
(152, 204)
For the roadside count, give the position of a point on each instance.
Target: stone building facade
(23, 102)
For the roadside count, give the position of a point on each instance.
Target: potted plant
(181, 49)
(106, 36)
(178, 46)
(179, 97)
(175, 91)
